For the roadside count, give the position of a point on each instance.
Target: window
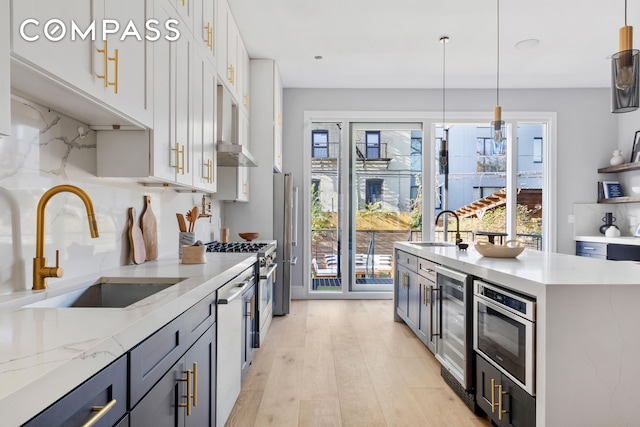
(320, 142)
(537, 150)
(372, 139)
(374, 191)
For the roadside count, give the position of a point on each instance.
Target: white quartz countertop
(47, 352)
(531, 271)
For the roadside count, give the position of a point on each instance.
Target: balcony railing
(331, 150)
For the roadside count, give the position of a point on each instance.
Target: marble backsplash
(48, 149)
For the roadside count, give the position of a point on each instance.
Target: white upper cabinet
(230, 55)
(205, 25)
(204, 115)
(186, 12)
(244, 76)
(5, 82)
(50, 60)
(119, 64)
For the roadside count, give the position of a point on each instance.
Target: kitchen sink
(106, 294)
(430, 244)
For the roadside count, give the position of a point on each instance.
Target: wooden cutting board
(149, 230)
(136, 240)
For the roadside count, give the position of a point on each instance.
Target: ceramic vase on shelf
(617, 158)
(608, 219)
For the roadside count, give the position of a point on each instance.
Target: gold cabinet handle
(280, 120)
(179, 154)
(195, 384)
(105, 57)
(209, 39)
(189, 395)
(101, 411)
(211, 171)
(500, 410)
(493, 395)
(231, 74)
(183, 2)
(246, 101)
(246, 188)
(116, 62)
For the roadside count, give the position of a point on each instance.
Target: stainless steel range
(266, 273)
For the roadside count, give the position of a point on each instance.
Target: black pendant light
(497, 123)
(624, 72)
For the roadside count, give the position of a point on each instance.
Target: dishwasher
(229, 346)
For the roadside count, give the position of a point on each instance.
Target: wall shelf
(620, 168)
(626, 199)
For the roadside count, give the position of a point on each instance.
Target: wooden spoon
(195, 212)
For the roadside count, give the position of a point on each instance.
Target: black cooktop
(239, 247)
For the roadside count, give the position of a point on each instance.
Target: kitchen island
(587, 340)
(47, 352)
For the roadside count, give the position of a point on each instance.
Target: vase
(617, 158)
(608, 219)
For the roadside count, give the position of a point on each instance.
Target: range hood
(234, 155)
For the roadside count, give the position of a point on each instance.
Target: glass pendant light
(497, 124)
(624, 72)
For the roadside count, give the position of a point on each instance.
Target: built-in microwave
(504, 332)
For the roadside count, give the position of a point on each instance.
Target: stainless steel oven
(267, 275)
(504, 332)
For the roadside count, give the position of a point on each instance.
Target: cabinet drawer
(199, 318)
(152, 358)
(75, 409)
(407, 260)
(427, 269)
(592, 248)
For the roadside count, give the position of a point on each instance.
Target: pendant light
(443, 144)
(624, 72)
(497, 123)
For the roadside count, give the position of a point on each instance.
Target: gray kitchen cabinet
(507, 404)
(426, 283)
(610, 251)
(105, 392)
(124, 422)
(183, 395)
(408, 291)
(150, 360)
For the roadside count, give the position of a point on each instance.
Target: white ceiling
(395, 43)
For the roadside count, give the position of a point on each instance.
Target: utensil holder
(193, 254)
(185, 238)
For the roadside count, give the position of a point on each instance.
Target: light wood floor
(346, 363)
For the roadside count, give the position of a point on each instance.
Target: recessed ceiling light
(318, 57)
(527, 44)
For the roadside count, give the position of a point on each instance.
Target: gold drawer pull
(105, 57)
(101, 411)
(116, 61)
(195, 384)
(189, 396)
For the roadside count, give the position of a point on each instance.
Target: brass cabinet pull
(116, 61)
(105, 57)
(246, 188)
(209, 39)
(182, 156)
(207, 27)
(101, 411)
(209, 166)
(493, 395)
(189, 395)
(500, 410)
(195, 384)
(246, 101)
(231, 75)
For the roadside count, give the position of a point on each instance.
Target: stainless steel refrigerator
(284, 231)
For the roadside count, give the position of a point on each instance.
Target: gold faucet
(459, 243)
(40, 270)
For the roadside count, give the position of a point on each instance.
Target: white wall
(45, 150)
(587, 133)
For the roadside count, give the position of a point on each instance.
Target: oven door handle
(269, 272)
